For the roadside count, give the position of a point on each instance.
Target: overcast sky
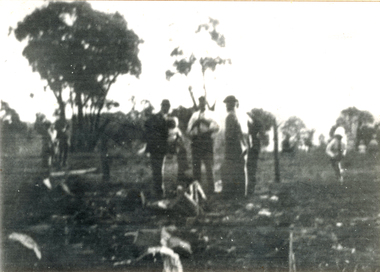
(311, 60)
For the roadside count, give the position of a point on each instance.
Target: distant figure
(373, 147)
(254, 147)
(286, 145)
(233, 175)
(362, 147)
(336, 150)
(63, 138)
(46, 130)
(201, 126)
(156, 130)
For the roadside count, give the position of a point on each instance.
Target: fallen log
(73, 172)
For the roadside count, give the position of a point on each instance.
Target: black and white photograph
(184, 136)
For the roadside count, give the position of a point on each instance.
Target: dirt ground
(333, 227)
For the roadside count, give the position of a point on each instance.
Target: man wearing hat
(336, 150)
(156, 136)
(233, 175)
(201, 126)
(45, 129)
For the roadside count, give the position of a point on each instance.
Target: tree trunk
(105, 159)
(276, 159)
(78, 102)
(192, 97)
(253, 157)
(80, 137)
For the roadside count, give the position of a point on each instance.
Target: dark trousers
(47, 156)
(157, 160)
(202, 150)
(62, 157)
(335, 163)
(253, 157)
(233, 177)
(182, 163)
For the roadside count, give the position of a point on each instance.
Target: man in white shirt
(201, 126)
(336, 150)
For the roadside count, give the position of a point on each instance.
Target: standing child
(174, 135)
(176, 147)
(336, 150)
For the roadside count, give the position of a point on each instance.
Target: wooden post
(292, 259)
(104, 157)
(276, 159)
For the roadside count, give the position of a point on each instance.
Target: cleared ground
(335, 227)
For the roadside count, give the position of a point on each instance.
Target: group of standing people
(200, 129)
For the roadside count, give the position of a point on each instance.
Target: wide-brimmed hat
(165, 102)
(339, 131)
(230, 98)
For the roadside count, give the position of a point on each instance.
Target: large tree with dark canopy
(293, 127)
(355, 122)
(81, 50)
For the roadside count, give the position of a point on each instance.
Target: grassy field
(335, 227)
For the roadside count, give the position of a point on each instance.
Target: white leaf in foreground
(249, 206)
(274, 198)
(265, 212)
(26, 241)
(172, 242)
(172, 262)
(175, 242)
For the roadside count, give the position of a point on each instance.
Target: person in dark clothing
(63, 145)
(44, 128)
(201, 126)
(234, 165)
(286, 145)
(156, 130)
(254, 147)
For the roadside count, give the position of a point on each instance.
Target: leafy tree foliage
(377, 131)
(10, 119)
(307, 138)
(211, 28)
(11, 127)
(351, 117)
(366, 134)
(262, 122)
(77, 48)
(184, 65)
(294, 127)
